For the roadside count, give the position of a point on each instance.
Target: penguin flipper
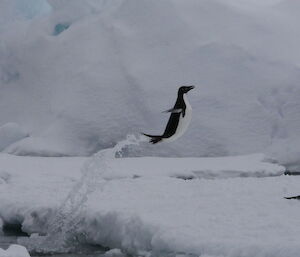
(293, 197)
(153, 139)
(173, 110)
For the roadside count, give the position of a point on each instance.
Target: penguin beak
(190, 87)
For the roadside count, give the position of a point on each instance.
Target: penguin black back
(174, 117)
(177, 122)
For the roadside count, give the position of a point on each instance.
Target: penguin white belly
(184, 122)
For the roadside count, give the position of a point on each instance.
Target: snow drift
(84, 74)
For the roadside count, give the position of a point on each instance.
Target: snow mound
(91, 72)
(10, 133)
(14, 251)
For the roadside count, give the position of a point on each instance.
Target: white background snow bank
(137, 211)
(119, 63)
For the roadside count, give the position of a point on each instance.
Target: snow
(77, 76)
(80, 75)
(114, 253)
(14, 251)
(10, 133)
(150, 206)
(187, 168)
(30, 175)
(286, 151)
(13, 11)
(215, 217)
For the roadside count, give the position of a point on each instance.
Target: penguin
(293, 197)
(180, 118)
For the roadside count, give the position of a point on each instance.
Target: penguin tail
(153, 139)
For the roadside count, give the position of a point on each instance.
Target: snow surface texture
(14, 251)
(79, 75)
(155, 214)
(10, 133)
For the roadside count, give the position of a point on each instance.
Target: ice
(77, 76)
(114, 253)
(59, 28)
(18, 10)
(32, 8)
(119, 64)
(152, 206)
(14, 251)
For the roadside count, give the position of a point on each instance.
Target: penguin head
(185, 89)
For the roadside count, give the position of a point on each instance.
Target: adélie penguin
(180, 118)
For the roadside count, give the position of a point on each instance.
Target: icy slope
(143, 210)
(87, 73)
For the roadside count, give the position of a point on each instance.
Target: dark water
(11, 236)
(12, 232)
